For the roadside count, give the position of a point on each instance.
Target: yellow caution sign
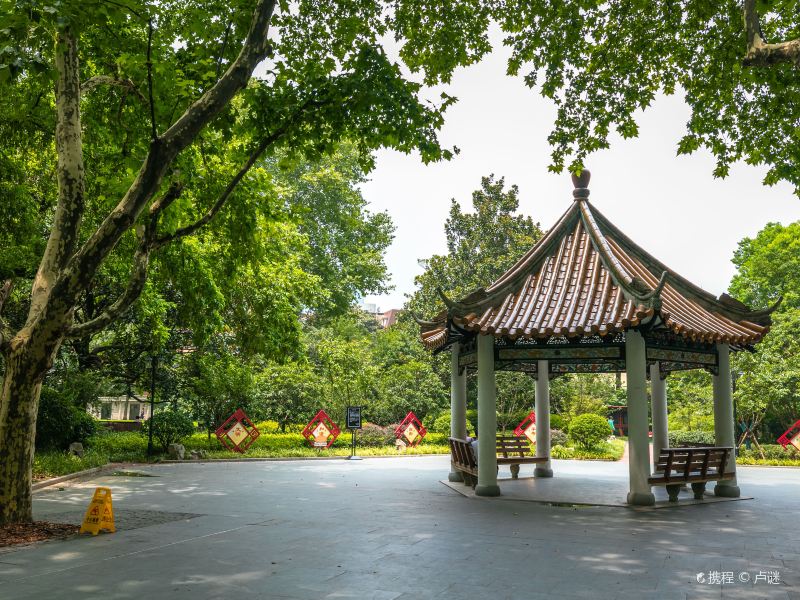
(100, 514)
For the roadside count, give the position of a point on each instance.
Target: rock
(198, 454)
(76, 448)
(400, 445)
(176, 451)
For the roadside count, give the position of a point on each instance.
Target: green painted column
(543, 419)
(638, 440)
(458, 404)
(487, 419)
(723, 420)
(658, 410)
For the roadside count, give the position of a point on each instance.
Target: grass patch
(53, 463)
(610, 450)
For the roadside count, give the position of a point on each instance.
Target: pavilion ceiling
(586, 278)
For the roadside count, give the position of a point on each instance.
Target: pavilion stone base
(487, 490)
(641, 498)
(455, 476)
(543, 472)
(727, 490)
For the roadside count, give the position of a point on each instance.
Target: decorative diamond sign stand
(321, 431)
(527, 427)
(791, 436)
(238, 433)
(411, 430)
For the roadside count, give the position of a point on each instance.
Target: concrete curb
(48, 482)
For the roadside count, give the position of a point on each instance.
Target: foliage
(216, 382)
(558, 438)
(680, 437)
(558, 422)
(287, 393)
(442, 425)
(62, 417)
(53, 463)
(481, 246)
(610, 60)
(690, 401)
(169, 427)
(587, 431)
(586, 393)
(375, 436)
(768, 382)
(768, 267)
(122, 446)
(610, 450)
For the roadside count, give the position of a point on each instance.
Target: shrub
(557, 438)
(559, 451)
(588, 431)
(374, 436)
(678, 438)
(60, 422)
(169, 427)
(442, 425)
(558, 422)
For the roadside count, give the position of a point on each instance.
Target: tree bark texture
(759, 52)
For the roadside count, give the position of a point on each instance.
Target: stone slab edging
(48, 482)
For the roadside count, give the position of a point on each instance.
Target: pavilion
(584, 299)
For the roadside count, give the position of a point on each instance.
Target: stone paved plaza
(386, 528)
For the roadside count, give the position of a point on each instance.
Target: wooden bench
(696, 465)
(511, 450)
(463, 459)
(515, 451)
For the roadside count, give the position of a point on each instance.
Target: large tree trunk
(26, 365)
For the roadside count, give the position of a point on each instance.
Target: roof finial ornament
(581, 183)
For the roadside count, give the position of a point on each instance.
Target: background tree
(288, 393)
(481, 246)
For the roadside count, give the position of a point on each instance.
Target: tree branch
(163, 152)
(138, 277)
(153, 130)
(98, 80)
(70, 173)
(136, 283)
(761, 54)
(223, 198)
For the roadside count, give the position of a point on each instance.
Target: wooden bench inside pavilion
(586, 298)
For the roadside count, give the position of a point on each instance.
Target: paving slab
(387, 529)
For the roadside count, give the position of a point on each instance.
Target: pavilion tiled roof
(585, 277)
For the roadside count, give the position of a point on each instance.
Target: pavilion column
(543, 469)
(723, 420)
(458, 404)
(658, 399)
(487, 419)
(638, 442)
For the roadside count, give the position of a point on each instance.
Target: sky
(670, 205)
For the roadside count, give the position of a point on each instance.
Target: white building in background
(121, 408)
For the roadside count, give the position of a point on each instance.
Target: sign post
(353, 423)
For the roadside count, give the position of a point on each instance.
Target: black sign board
(353, 419)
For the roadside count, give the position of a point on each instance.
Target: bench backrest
(462, 453)
(680, 463)
(512, 446)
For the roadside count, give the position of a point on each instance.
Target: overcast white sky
(670, 205)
